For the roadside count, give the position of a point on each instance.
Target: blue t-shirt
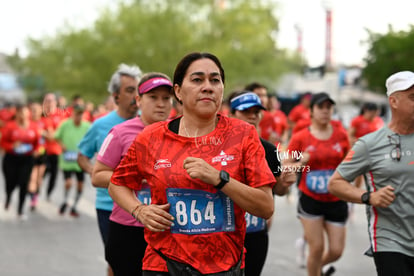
(90, 145)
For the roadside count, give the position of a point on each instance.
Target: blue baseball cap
(245, 101)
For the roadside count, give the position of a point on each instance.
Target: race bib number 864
(200, 212)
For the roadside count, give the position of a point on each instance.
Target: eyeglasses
(395, 140)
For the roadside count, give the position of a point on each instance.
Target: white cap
(399, 82)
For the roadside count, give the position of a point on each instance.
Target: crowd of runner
(205, 152)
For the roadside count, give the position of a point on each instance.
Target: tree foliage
(388, 53)
(155, 34)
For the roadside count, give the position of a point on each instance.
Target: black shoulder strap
(174, 125)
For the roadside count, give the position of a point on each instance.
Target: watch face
(224, 176)
(365, 198)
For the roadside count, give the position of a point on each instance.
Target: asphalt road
(47, 244)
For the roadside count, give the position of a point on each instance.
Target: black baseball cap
(319, 98)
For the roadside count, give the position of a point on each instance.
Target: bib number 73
(317, 181)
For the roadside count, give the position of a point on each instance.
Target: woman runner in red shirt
(320, 148)
(20, 140)
(203, 176)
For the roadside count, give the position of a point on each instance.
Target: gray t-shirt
(391, 228)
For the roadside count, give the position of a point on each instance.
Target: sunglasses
(395, 140)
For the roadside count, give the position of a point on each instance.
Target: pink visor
(153, 83)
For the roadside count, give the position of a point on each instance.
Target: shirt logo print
(223, 158)
(337, 147)
(162, 164)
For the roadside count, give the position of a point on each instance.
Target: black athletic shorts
(40, 160)
(80, 176)
(125, 249)
(334, 212)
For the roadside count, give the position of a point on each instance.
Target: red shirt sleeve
(294, 114)
(299, 112)
(254, 156)
(36, 141)
(12, 133)
(300, 125)
(355, 122)
(128, 173)
(6, 141)
(343, 138)
(280, 121)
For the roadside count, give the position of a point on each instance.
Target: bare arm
(280, 188)
(285, 137)
(49, 133)
(85, 163)
(286, 179)
(101, 175)
(288, 176)
(124, 197)
(60, 144)
(291, 124)
(256, 201)
(154, 217)
(351, 135)
(341, 188)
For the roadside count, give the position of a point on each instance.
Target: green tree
(388, 53)
(155, 35)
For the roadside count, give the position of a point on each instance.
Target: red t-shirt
(41, 126)
(325, 156)
(52, 121)
(299, 112)
(28, 138)
(301, 124)
(6, 114)
(157, 154)
(280, 120)
(306, 123)
(363, 126)
(267, 125)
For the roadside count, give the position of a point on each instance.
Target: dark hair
(306, 94)
(186, 61)
(76, 97)
(254, 85)
(368, 106)
(20, 106)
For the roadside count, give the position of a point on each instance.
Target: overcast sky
(20, 19)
